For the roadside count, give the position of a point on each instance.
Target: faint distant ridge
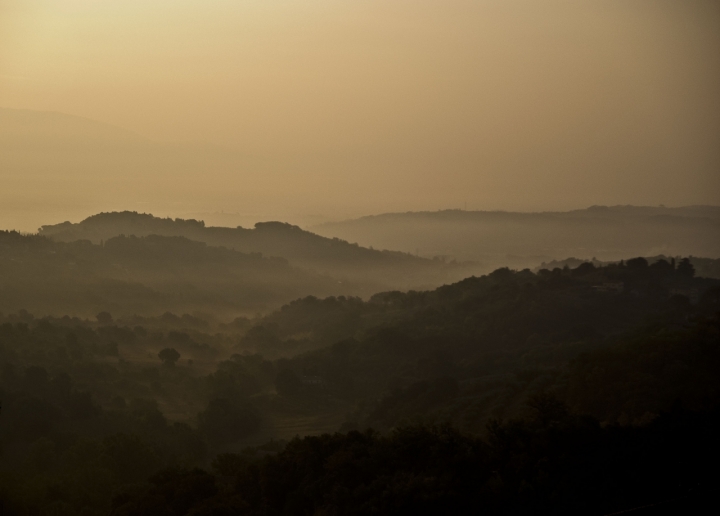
(339, 258)
(596, 211)
(107, 163)
(525, 239)
(37, 129)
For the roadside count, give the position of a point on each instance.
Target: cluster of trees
(553, 462)
(89, 407)
(703, 267)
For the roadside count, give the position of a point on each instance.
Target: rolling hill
(498, 238)
(145, 275)
(365, 270)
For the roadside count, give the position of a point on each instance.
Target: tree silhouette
(169, 356)
(104, 318)
(685, 268)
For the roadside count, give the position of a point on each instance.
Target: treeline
(551, 463)
(704, 267)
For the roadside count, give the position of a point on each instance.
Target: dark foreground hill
(527, 239)
(569, 391)
(368, 270)
(554, 463)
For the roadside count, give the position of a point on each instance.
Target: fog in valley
(283, 258)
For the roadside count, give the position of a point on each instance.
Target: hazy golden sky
(360, 106)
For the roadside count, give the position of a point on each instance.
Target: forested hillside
(145, 275)
(526, 393)
(369, 270)
(478, 348)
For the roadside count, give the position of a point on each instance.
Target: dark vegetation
(364, 271)
(566, 391)
(551, 463)
(152, 274)
(704, 267)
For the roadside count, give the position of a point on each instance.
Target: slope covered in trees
(146, 275)
(552, 463)
(585, 390)
(559, 388)
(368, 269)
(475, 349)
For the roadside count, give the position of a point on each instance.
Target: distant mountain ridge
(344, 261)
(37, 128)
(526, 239)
